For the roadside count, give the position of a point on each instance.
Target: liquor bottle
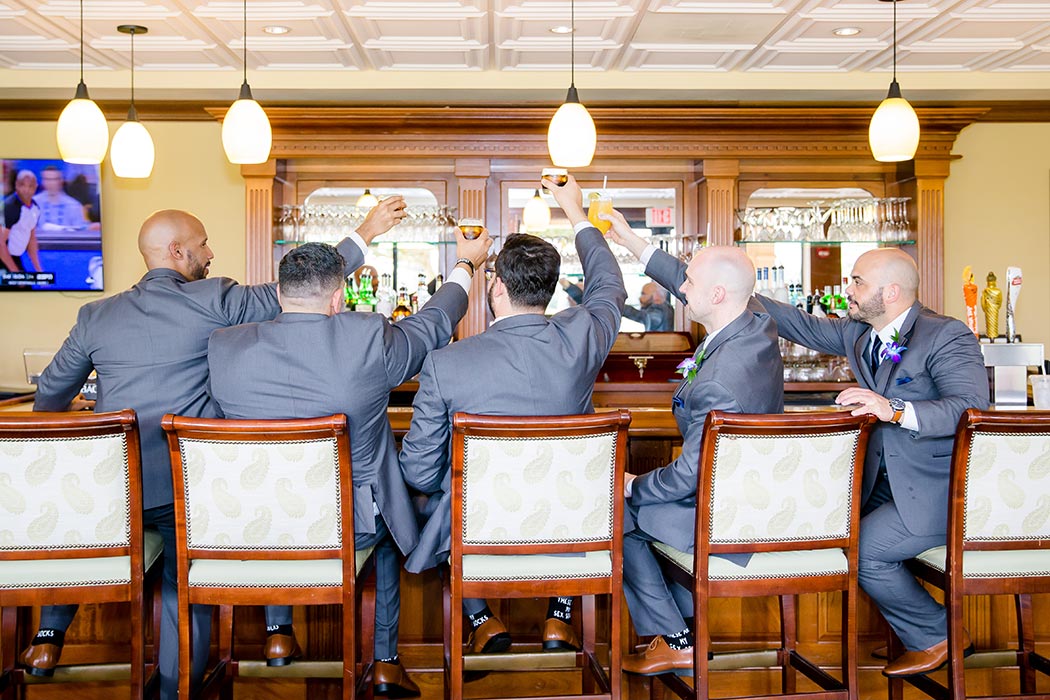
(438, 281)
(351, 293)
(422, 296)
(385, 297)
(366, 301)
(780, 290)
(403, 308)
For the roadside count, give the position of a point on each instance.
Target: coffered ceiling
(473, 51)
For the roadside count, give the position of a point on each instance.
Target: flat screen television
(51, 230)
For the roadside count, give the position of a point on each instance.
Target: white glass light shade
(246, 134)
(132, 153)
(894, 130)
(366, 200)
(571, 137)
(536, 216)
(82, 132)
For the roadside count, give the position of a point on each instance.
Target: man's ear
(174, 250)
(337, 302)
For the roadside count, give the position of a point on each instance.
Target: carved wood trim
(258, 221)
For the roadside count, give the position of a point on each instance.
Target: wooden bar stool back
(785, 489)
(537, 511)
(71, 531)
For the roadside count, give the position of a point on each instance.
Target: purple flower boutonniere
(893, 349)
(690, 366)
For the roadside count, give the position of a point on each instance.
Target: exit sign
(659, 217)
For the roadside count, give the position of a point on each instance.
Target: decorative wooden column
(258, 221)
(930, 175)
(720, 178)
(473, 174)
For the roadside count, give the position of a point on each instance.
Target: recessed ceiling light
(847, 31)
(276, 29)
(561, 29)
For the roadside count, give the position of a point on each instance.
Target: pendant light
(894, 130)
(246, 134)
(571, 137)
(132, 153)
(536, 216)
(82, 132)
(366, 200)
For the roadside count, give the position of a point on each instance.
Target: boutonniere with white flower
(690, 366)
(892, 350)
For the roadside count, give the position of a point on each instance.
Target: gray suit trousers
(657, 605)
(162, 519)
(885, 544)
(388, 591)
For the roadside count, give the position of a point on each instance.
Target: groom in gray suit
(313, 361)
(738, 369)
(147, 346)
(918, 372)
(524, 364)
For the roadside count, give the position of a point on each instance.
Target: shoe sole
(283, 661)
(686, 672)
(558, 645)
(968, 651)
(498, 643)
(393, 690)
(39, 672)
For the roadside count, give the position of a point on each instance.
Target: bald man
(917, 372)
(148, 346)
(654, 311)
(740, 371)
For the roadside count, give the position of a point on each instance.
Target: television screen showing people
(51, 230)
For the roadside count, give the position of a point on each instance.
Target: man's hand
(865, 402)
(628, 479)
(622, 233)
(81, 404)
(476, 250)
(382, 217)
(569, 197)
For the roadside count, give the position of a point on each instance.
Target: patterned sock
(278, 629)
(679, 640)
(559, 608)
(47, 635)
(392, 660)
(480, 617)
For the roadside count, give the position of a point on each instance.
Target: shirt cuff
(360, 242)
(629, 489)
(580, 225)
(909, 421)
(461, 277)
(647, 254)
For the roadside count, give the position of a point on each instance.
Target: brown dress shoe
(659, 659)
(391, 680)
(882, 652)
(490, 638)
(40, 659)
(917, 663)
(559, 636)
(280, 649)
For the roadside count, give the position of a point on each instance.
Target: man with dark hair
(524, 364)
(313, 361)
(147, 346)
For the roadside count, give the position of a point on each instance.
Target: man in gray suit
(524, 364)
(918, 372)
(353, 361)
(738, 369)
(147, 346)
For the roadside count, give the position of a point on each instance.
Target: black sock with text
(559, 608)
(679, 640)
(391, 660)
(278, 629)
(47, 635)
(480, 617)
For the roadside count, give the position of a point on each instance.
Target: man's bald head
(885, 285)
(893, 266)
(175, 240)
(719, 281)
(652, 293)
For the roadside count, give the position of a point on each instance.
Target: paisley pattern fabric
(64, 493)
(538, 490)
(782, 489)
(1008, 488)
(255, 495)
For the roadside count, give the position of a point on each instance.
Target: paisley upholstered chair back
(782, 488)
(64, 492)
(1007, 490)
(247, 495)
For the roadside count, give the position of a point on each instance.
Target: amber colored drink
(471, 228)
(600, 205)
(559, 175)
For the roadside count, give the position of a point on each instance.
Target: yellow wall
(997, 213)
(191, 173)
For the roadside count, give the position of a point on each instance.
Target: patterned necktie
(876, 352)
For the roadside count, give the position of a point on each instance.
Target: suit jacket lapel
(735, 326)
(888, 368)
(860, 353)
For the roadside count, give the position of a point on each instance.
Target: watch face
(897, 404)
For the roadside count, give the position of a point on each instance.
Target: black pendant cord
(572, 43)
(81, 40)
(894, 40)
(133, 69)
(245, 47)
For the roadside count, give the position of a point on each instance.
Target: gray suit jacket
(741, 372)
(305, 365)
(148, 346)
(942, 373)
(526, 365)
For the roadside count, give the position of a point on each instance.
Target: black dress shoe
(392, 681)
(40, 659)
(281, 649)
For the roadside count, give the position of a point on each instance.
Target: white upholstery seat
(1003, 564)
(92, 571)
(222, 573)
(810, 562)
(535, 567)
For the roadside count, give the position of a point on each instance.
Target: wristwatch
(898, 410)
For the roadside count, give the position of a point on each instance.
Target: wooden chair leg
(894, 648)
(1025, 641)
(226, 651)
(850, 675)
(157, 608)
(349, 650)
(366, 615)
(788, 626)
(185, 653)
(702, 646)
(588, 618)
(138, 645)
(616, 643)
(455, 636)
(8, 650)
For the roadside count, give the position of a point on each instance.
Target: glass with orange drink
(600, 203)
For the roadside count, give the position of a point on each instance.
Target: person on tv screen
(58, 209)
(18, 232)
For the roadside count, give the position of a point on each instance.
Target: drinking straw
(605, 182)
